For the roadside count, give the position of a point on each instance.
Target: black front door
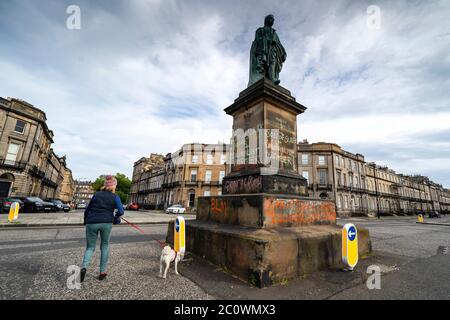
(4, 189)
(191, 199)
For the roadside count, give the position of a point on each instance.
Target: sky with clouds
(144, 76)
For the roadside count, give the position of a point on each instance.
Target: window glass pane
(305, 175)
(208, 176)
(193, 175)
(222, 158)
(11, 155)
(304, 159)
(323, 177)
(20, 126)
(321, 160)
(195, 158)
(221, 175)
(209, 159)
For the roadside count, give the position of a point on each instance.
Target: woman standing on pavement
(99, 218)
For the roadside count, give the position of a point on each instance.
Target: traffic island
(264, 257)
(264, 228)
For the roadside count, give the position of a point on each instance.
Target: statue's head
(268, 21)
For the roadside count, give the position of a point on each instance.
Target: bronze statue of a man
(267, 54)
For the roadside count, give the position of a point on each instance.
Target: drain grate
(443, 250)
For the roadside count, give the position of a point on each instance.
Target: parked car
(176, 208)
(5, 204)
(66, 207)
(36, 204)
(434, 214)
(133, 206)
(81, 205)
(59, 205)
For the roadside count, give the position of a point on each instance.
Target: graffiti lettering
(249, 184)
(218, 206)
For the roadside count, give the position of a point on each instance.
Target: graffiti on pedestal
(218, 206)
(299, 212)
(247, 184)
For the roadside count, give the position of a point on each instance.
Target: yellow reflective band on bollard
(180, 235)
(350, 245)
(13, 211)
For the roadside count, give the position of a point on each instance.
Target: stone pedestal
(264, 143)
(264, 228)
(265, 257)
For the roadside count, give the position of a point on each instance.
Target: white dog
(167, 256)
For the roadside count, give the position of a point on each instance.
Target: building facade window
(208, 176)
(194, 158)
(221, 176)
(339, 177)
(323, 176)
(305, 174)
(305, 159)
(322, 160)
(11, 155)
(20, 126)
(209, 159)
(223, 158)
(207, 193)
(193, 175)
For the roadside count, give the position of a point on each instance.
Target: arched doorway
(6, 182)
(191, 197)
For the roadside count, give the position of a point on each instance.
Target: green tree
(122, 189)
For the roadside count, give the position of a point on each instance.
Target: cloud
(147, 76)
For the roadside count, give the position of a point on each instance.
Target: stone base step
(264, 257)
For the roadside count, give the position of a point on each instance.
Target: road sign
(179, 235)
(13, 211)
(350, 245)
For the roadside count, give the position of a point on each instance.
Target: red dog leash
(142, 231)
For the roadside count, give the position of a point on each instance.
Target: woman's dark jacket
(101, 208)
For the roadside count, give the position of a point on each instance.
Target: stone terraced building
(28, 164)
(183, 176)
(361, 188)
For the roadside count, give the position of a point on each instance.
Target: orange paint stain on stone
(289, 212)
(218, 206)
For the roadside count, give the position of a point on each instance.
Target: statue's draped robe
(266, 56)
